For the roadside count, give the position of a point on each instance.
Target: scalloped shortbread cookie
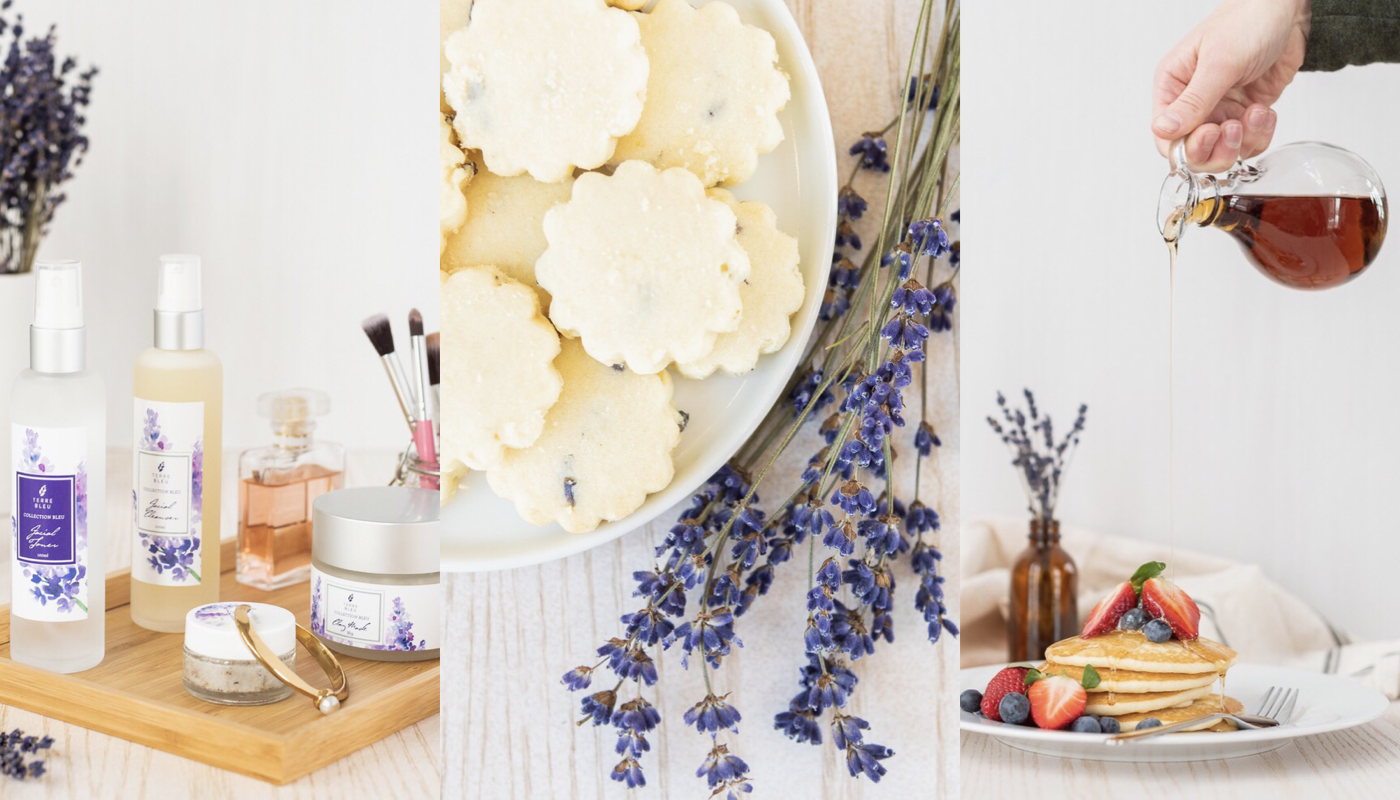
(498, 373)
(505, 226)
(643, 267)
(771, 295)
(454, 172)
(713, 96)
(607, 445)
(543, 86)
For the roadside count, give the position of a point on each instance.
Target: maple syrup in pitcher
(1308, 215)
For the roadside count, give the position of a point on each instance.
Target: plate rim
(824, 139)
(972, 724)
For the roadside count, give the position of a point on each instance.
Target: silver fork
(1276, 707)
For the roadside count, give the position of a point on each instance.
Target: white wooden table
(86, 764)
(508, 723)
(1348, 765)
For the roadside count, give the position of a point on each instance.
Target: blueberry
(1014, 708)
(1150, 722)
(971, 701)
(1132, 619)
(1109, 725)
(1157, 631)
(1086, 724)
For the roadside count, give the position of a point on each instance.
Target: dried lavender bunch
(724, 551)
(41, 136)
(18, 754)
(1041, 470)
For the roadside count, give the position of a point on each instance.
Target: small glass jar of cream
(374, 572)
(219, 667)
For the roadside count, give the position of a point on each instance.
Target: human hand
(1217, 86)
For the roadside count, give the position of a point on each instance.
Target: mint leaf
(1033, 676)
(1149, 570)
(1091, 677)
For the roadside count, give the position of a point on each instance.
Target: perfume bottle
(1044, 594)
(277, 486)
(58, 441)
(1308, 215)
(178, 390)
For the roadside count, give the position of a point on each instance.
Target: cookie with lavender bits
(606, 445)
(453, 174)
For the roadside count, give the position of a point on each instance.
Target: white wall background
(274, 140)
(1288, 425)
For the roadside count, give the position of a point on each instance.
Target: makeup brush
(423, 424)
(382, 337)
(435, 379)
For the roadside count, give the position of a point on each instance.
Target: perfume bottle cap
(58, 295)
(293, 405)
(56, 339)
(178, 284)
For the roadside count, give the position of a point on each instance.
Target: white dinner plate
(798, 180)
(1325, 703)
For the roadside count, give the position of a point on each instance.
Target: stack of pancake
(1172, 681)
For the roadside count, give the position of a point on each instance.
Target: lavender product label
(168, 493)
(48, 524)
(374, 616)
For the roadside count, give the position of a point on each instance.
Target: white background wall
(1288, 425)
(287, 144)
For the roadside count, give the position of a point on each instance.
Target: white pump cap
(58, 295)
(179, 306)
(56, 339)
(178, 285)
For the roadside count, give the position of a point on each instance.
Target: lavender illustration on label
(49, 530)
(172, 549)
(400, 631)
(318, 621)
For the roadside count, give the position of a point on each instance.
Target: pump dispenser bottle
(178, 388)
(57, 470)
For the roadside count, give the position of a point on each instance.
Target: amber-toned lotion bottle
(178, 407)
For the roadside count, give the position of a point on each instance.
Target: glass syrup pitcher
(1309, 215)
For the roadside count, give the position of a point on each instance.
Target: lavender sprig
(19, 754)
(726, 549)
(1039, 458)
(42, 102)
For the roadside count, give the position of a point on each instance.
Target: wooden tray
(137, 693)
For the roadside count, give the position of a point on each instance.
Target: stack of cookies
(1141, 680)
(586, 247)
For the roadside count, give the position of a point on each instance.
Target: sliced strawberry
(1106, 614)
(1011, 679)
(1056, 701)
(1163, 599)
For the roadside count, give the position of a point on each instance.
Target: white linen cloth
(1240, 606)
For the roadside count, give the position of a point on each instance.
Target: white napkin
(1240, 606)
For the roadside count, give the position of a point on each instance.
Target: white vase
(16, 312)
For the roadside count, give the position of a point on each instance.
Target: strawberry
(1057, 701)
(1109, 610)
(1011, 679)
(1163, 599)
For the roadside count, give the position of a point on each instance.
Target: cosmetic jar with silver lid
(374, 572)
(219, 667)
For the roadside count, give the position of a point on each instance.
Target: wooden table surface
(508, 723)
(85, 764)
(1358, 763)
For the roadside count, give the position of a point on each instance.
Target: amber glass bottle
(1044, 592)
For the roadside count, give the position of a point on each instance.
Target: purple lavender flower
(628, 661)
(846, 235)
(42, 102)
(873, 152)
(724, 771)
(854, 498)
(921, 519)
(928, 237)
(901, 254)
(598, 707)
(802, 392)
(32, 458)
(152, 438)
(940, 318)
(849, 204)
(578, 678)
(835, 303)
(799, 724)
(630, 772)
(318, 621)
(60, 585)
(400, 630)
(712, 715)
(17, 748)
(930, 92)
(197, 482)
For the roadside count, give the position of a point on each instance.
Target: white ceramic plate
(482, 532)
(1325, 703)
